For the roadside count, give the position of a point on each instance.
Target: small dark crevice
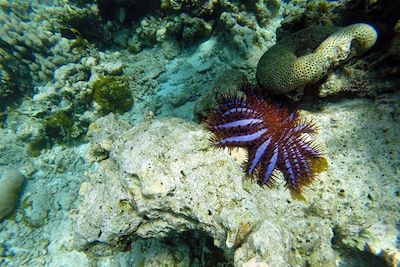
(133, 10)
(353, 257)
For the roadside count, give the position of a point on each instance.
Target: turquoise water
(110, 112)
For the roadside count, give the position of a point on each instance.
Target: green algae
(56, 127)
(112, 94)
(36, 146)
(134, 48)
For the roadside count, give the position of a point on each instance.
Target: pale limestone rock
(163, 178)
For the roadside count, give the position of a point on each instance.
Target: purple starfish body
(274, 138)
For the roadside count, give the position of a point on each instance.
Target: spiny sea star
(275, 138)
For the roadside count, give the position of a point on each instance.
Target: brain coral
(289, 64)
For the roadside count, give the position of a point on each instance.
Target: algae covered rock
(112, 94)
(55, 128)
(11, 181)
(289, 65)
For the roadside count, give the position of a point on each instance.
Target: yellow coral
(286, 66)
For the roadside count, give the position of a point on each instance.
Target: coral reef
(84, 21)
(77, 96)
(153, 30)
(304, 13)
(243, 25)
(34, 59)
(207, 8)
(372, 75)
(349, 80)
(117, 196)
(286, 66)
(242, 30)
(56, 128)
(30, 49)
